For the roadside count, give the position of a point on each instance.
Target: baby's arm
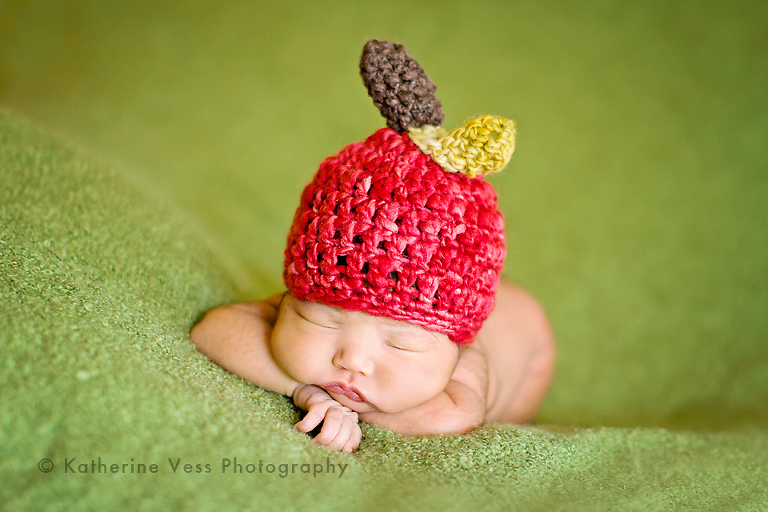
(237, 338)
(459, 408)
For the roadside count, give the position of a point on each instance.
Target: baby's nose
(355, 358)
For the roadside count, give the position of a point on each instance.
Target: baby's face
(365, 362)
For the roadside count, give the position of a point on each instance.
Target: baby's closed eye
(404, 345)
(397, 347)
(321, 322)
(318, 315)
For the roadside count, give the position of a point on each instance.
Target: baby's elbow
(204, 332)
(196, 335)
(199, 336)
(461, 421)
(468, 421)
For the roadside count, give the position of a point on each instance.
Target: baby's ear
(480, 146)
(276, 300)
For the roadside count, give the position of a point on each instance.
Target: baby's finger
(354, 440)
(346, 432)
(333, 421)
(310, 420)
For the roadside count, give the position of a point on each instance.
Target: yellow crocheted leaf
(480, 146)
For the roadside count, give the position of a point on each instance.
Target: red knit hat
(384, 229)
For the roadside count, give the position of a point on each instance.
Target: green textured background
(152, 156)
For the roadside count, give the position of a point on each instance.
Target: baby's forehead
(382, 322)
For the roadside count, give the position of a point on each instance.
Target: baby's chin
(362, 407)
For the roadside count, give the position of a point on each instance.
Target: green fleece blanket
(151, 156)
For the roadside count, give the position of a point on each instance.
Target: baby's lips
(340, 389)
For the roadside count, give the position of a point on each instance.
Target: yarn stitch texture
(480, 146)
(400, 89)
(384, 229)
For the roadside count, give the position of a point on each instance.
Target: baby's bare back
(519, 348)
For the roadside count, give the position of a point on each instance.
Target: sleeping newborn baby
(394, 312)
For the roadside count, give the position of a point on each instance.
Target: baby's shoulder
(264, 310)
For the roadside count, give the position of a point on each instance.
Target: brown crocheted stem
(399, 87)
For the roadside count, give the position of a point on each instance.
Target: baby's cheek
(289, 358)
(434, 380)
(298, 365)
(420, 385)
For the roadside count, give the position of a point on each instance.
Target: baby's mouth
(340, 389)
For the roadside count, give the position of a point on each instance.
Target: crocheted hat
(403, 225)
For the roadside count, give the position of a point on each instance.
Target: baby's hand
(340, 430)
